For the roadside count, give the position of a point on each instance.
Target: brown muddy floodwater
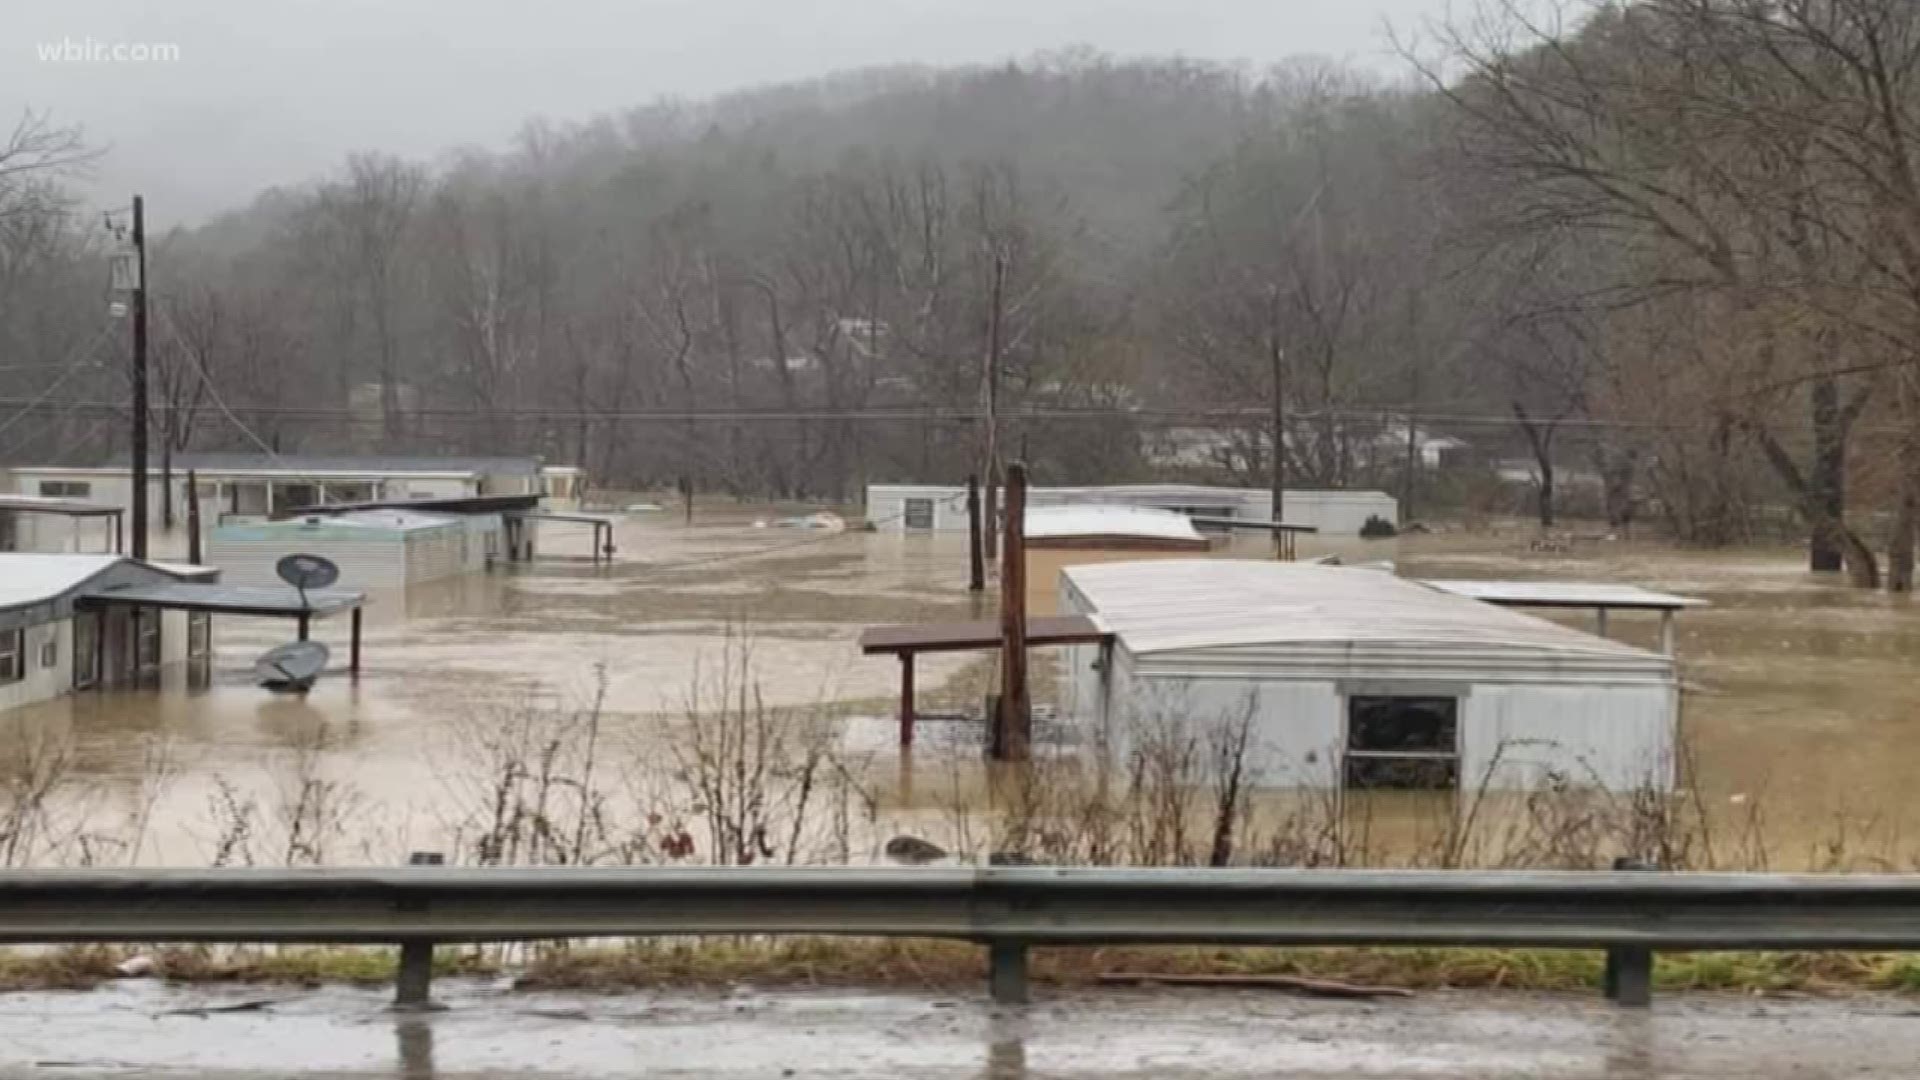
(1800, 711)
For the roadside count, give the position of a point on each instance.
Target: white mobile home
(1361, 679)
(261, 486)
(50, 643)
(937, 508)
(375, 549)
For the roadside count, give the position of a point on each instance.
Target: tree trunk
(1900, 547)
(1863, 570)
(1540, 438)
(1827, 483)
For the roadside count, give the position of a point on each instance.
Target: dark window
(919, 513)
(1403, 742)
(66, 489)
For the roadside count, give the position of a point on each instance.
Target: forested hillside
(1671, 253)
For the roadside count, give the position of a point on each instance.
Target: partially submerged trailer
(1358, 679)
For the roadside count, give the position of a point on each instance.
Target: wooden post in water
(1016, 716)
(413, 982)
(193, 518)
(976, 558)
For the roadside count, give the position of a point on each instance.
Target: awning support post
(353, 653)
(305, 620)
(906, 700)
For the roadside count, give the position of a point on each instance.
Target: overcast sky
(278, 91)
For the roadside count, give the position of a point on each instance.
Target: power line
(213, 391)
(70, 365)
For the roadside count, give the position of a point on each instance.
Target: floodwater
(140, 1028)
(1800, 711)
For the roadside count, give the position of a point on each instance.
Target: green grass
(880, 963)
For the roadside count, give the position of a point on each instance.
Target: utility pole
(991, 392)
(1015, 739)
(193, 517)
(139, 378)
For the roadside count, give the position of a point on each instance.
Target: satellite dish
(292, 666)
(305, 572)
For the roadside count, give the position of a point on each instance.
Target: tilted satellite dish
(305, 572)
(292, 666)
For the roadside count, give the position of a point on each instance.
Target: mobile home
(939, 508)
(1359, 679)
(375, 549)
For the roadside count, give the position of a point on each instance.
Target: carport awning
(254, 600)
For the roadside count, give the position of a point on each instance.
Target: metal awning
(977, 635)
(257, 600)
(1600, 596)
(1568, 594)
(453, 504)
(32, 504)
(907, 641)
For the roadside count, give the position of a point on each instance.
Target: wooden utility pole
(1016, 715)
(990, 392)
(976, 559)
(193, 517)
(1277, 357)
(139, 448)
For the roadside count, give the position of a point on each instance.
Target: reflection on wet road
(142, 1029)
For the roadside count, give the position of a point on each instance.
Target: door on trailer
(86, 649)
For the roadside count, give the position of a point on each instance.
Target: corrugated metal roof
(221, 461)
(1179, 604)
(1564, 594)
(46, 504)
(357, 523)
(1055, 522)
(233, 599)
(28, 578)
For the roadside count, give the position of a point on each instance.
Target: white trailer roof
(30, 578)
(1056, 522)
(1188, 604)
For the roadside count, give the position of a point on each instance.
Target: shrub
(1377, 528)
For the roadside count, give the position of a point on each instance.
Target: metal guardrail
(1009, 909)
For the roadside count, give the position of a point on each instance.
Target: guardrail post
(1007, 960)
(1007, 972)
(413, 985)
(1629, 977)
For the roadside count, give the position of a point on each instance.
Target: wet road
(140, 1029)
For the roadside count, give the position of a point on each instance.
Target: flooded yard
(1799, 713)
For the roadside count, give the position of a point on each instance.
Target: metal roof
(32, 578)
(44, 504)
(231, 462)
(1179, 604)
(440, 504)
(1060, 522)
(1580, 594)
(228, 599)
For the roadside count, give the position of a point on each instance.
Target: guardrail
(1007, 909)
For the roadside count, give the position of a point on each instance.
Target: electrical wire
(70, 365)
(213, 391)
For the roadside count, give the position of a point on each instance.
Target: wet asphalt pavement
(139, 1029)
